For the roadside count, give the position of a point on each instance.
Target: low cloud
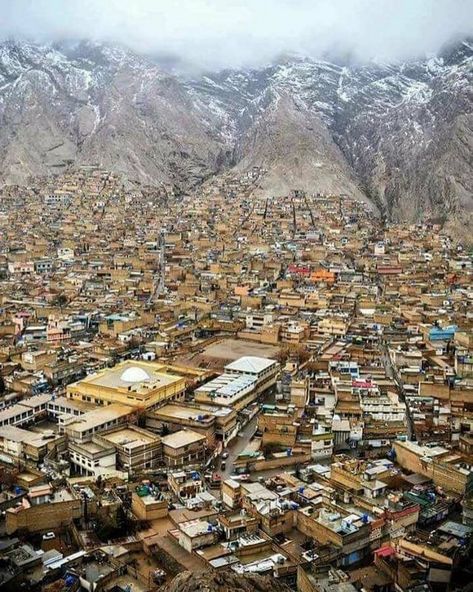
(227, 33)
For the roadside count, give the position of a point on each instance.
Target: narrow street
(237, 445)
(392, 373)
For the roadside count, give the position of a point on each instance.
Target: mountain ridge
(399, 135)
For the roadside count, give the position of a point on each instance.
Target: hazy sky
(219, 33)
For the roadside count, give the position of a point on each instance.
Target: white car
(48, 536)
(225, 455)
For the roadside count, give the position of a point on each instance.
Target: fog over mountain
(369, 98)
(211, 34)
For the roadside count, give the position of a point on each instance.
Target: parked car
(241, 477)
(48, 536)
(225, 455)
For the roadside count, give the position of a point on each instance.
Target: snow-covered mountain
(399, 135)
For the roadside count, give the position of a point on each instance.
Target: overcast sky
(221, 33)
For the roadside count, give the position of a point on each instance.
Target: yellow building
(134, 383)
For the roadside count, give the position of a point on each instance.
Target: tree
(60, 300)
(300, 354)
(99, 482)
(115, 525)
(282, 355)
(8, 477)
(297, 353)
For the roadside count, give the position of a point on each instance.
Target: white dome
(134, 374)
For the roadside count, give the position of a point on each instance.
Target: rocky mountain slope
(398, 135)
(224, 582)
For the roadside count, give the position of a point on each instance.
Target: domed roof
(134, 374)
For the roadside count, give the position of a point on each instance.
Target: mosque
(134, 383)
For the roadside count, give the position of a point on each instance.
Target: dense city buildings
(221, 382)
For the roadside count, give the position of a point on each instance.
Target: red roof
(362, 383)
(298, 269)
(384, 551)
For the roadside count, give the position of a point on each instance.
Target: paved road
(392, 373)
(237, 445)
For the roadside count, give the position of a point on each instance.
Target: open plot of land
(232, 349)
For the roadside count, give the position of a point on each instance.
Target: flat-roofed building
(446, 468)
(237, 523)
(240, 384)
(93, 458)
(17, 415)
(215, 423)
(149, 506)
(25, 412)
(262, 369)
(62, 406)
(37, 360)
(38, 403)
(184, 447)
(134, 383)
(137, 448)
(82, 428)
(43, 508)
(195, 534)
(231, 493)
(332, 525)
(175, 416)
(185, 484)
(17, 443)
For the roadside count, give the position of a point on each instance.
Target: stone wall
(441, 473)
(42, 517)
